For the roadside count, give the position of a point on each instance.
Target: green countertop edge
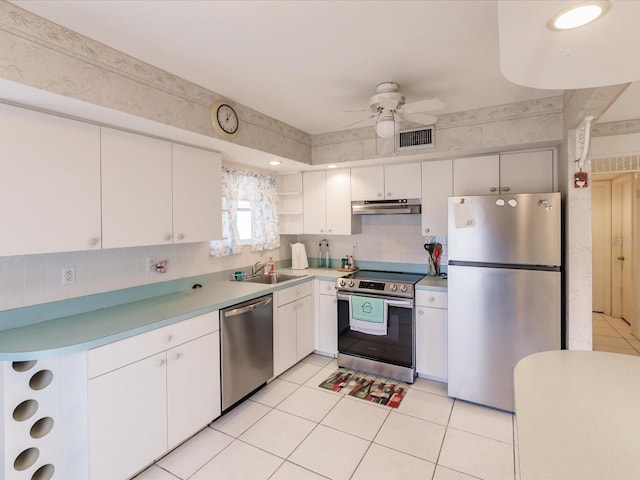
(83, 323)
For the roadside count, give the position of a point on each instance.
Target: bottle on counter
(271, 266)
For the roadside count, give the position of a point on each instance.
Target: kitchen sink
(271, 278)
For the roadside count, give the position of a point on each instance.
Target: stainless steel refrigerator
(505, 290)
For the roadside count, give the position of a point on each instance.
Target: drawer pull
(432, 299)
(161, 362)
(175, 356)
(168, 338)
(420, 312)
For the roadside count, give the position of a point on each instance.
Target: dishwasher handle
(247, 308)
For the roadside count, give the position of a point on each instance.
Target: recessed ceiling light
(332, 165)
(579, 14)
(274, 162)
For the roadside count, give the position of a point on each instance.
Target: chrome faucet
(257, 267)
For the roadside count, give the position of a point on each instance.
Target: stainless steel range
(376, 323)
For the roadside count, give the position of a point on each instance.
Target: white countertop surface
(98, 327)
(578, 416)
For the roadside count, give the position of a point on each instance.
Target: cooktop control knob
(343, 283)
(404, 289)
(351, 283)
(393, 287)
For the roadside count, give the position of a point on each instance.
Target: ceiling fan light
(386, 126)
(579, 14)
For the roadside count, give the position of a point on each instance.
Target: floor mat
(384, 391)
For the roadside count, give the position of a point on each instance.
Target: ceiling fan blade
(370, 120)
(423, 106)
(420, 118)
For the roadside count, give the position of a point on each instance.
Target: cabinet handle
(94, 241)
(493, 189)
(335, 300)
(499, 189)
(180, 236)
(505, 189)
(432, 299)
(160, 362)
(379, 195)
(426, 230)
(167, 236)
(175, 356)
(388, 194)
(420, 312)
(168, 338)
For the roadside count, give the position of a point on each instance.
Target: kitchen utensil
(430, 247)
(437, 251)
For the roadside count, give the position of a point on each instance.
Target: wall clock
(224, 119)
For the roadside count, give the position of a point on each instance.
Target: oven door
(395, 347)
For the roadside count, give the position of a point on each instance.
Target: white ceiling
(304, 62)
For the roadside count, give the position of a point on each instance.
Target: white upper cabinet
(437, 187)
(390, 182)
(197, 195)
(49, 183)
(518, 172)
(136, 190)
(327, 203)
(290, 206)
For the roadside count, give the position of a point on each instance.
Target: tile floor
(294, 430)
(612, 334)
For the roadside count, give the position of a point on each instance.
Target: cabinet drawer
(326, 288)
(118, 354)
(429, 298)
(290, 294)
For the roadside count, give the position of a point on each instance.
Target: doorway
(613, 231)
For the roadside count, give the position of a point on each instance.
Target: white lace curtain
(261, 192)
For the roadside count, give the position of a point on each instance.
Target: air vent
(416, 138)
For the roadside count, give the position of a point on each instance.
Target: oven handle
(395, 302)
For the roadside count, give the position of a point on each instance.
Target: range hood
(386, 207)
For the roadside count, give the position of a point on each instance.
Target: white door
(338, 211)
(437, 187)
(476, 175)
(136, 190)
(601, 242)
(621, 248)
(287, 336)
(305, 331)
(197, 195)
(314, 197)
(527, 172)
(367, 183)
(402, 181)
(328, 323)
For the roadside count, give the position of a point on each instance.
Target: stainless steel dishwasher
(246, 348)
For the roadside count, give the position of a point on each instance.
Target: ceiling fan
(388, 108)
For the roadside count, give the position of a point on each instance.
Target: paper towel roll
(299, 259)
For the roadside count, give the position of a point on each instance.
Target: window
(250, 213)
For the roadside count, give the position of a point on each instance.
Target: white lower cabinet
(150, 392)
(293, 326)
(431, 334)
(327, 319)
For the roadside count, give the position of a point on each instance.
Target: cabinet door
(314, 196)
(304, 327)
(136, 190)
(290, 208)
(338, 212)
(49, 183)
(431, 342)
(437, 187)
(367, 183)
(328, 320)
(476, 175)
(197, 196)
(527, 172)
(402, 181)
(287, 336)
(128, 418)
(193, 386)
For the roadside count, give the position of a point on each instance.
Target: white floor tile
(239, 461)
(477, 456)
(193, 454)
(482, 421)
(330, 452)
(239, 419)
(273, 393)
(309, 403)
(430, 386)
(155, 473)
(319, 360)
(411, 435)
(300, 372)
(356, 417)
(444, 473)
(290, 471)
(278, 433)
(427, 406)
(384, 463)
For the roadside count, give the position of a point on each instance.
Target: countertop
(577, 415)
(83, 331)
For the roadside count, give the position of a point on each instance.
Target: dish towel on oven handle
(368, 315)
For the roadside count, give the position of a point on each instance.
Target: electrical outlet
(68, 275)
(354, 248)
(151, 264)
